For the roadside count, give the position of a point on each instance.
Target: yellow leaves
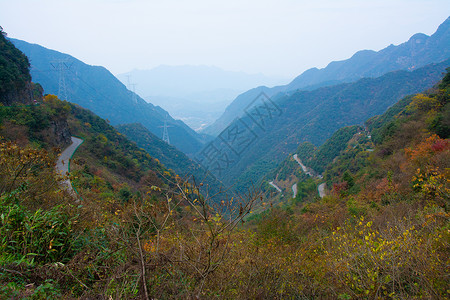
(103, 139)
(155, 188)
(423, 103)
(431, 182)
(149, 246)
(24, 165)
(50, 98)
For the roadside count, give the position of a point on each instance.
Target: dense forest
(314, 116)
(14, 71)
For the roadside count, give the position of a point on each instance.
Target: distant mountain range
(418, 51)
(272, 128)
(196, 94)
(96, 89)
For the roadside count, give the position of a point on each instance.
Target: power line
(165, 136)
(61, 65)
(133, 95)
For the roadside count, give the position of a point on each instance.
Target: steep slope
(268, 136)
(106, 163)
(418, 51)
(168, 155)
(15, 79)
(408, 139)
(96, 89)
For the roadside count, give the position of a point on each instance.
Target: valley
(332, 186)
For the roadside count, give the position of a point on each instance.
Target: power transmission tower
(128, 82)
(61, 65)
(129, 85)
(165, 136)
(133, 95)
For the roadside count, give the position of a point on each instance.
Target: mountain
(104, 165)
(196, 113)
(96, 89)
(168, 155)
(418, 51)
(15, 79)
(195, 94)
(381, 231)
(254, 144)
(182, 81)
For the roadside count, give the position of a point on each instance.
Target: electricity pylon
(133, 95)
(165, 136)
(129, 85)
(61, 65)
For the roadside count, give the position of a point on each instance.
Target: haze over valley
(197, 95)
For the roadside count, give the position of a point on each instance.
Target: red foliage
(426, 148)
(342, 186)
(440, 145)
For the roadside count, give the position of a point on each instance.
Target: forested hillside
(96, 89)
(418, 51)
(14, 73)
(136, 230)
(169, 156)
(313, 116)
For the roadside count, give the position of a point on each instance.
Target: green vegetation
(96, 89)
(142, 232)
(108, 167)
(306, 190)
(306, 152)
(14, 69)
(44, 126)
(420, 50)
(331, 148)
(168, 155)
(315, 115)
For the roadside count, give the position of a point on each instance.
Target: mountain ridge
(95, 88)
(418, 51)
(314, 115)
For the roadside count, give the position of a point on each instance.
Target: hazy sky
(274, 37)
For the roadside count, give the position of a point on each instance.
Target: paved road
(321, 190)
(294, 190)
(62, 165)
(275, 186)
(304, 168)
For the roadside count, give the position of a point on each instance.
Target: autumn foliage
(141, 232)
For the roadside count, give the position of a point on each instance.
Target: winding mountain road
(304, 168)
(62, 165)
(320, 188)
(275, 186)
(294, 190)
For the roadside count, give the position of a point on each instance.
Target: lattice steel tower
(61, 65)
(165, 136)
